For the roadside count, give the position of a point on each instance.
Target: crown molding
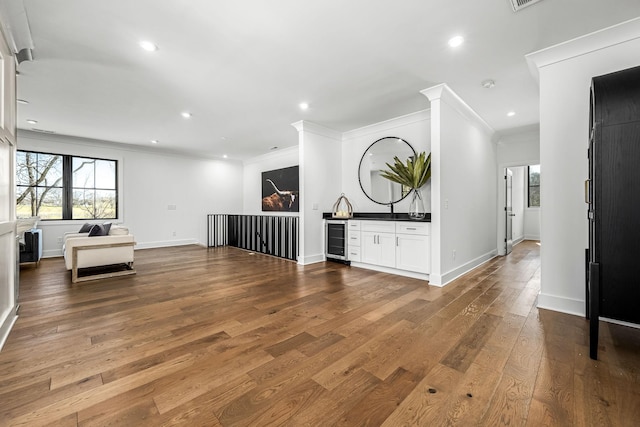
(601, 39)
(446, 94)
(283, 152)
(389, 124)
(307, 126)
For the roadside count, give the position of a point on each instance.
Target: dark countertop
(380, 216)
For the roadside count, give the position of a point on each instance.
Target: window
(56, 186)
(534, 185)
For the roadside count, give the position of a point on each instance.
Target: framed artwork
(280, 190)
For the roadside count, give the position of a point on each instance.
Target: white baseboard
(405, 273)
(311, 259)
(465, 268)
(7, 325)
(531, 237)
(562, 304)
(518, 240)
(52, 253)
(166, 243)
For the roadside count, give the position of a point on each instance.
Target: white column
(320, 154)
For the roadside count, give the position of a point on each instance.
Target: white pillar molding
(439, 96)
(320, 177)
(434, 94)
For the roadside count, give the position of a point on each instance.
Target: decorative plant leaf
(414, 174)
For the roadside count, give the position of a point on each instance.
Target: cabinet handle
(397, 241)
(411, 228)
(586, 190)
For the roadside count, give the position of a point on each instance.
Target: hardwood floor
(210, 337)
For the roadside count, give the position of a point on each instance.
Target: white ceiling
(243, 66)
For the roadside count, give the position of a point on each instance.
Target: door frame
(500, 216)
(508, 213)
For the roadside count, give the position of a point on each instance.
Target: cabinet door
(369, 249)
(378, 248)
(387, 245)
(413, 253)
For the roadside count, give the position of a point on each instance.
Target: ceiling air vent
(521, 4)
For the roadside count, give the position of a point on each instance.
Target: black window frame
(67, 185)
(529, 205)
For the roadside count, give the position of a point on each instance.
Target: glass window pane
(49, 170)
(25, 208)
(23, 160)
(534, 196)
(83, 172)
(83, 204)
(38, 169)
(534, 175)
(49, 203)
(534, 186)
(106, 204)
(106, 174)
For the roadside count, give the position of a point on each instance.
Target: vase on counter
(416, 207)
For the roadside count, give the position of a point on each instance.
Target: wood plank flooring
(222, 337)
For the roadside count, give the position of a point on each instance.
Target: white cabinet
(378, 243)
(413, 247)
(379, 248)
(353, 241)
(401, 245)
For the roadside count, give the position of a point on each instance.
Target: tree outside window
(39, 180)
(54, 186)
(534, 185)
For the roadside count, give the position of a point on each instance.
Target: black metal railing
(267, 234)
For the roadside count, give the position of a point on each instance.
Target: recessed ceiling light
(511, 113)
(154, 141)
(304, 106)
(22, 101)
(224, 156)
(456, 41)
(148, 46)
(186, 114)
(31, 121)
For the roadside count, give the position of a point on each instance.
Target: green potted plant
(414, 174)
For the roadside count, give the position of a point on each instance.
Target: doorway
(517, 219)
(508, 211)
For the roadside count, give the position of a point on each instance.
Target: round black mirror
(374, 162)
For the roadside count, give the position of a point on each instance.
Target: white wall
(252, 181)
(520, 147)
(464, 189)
(413, 128)
(565, 73)
(320, 179)
(532, 223)
(149, 182)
